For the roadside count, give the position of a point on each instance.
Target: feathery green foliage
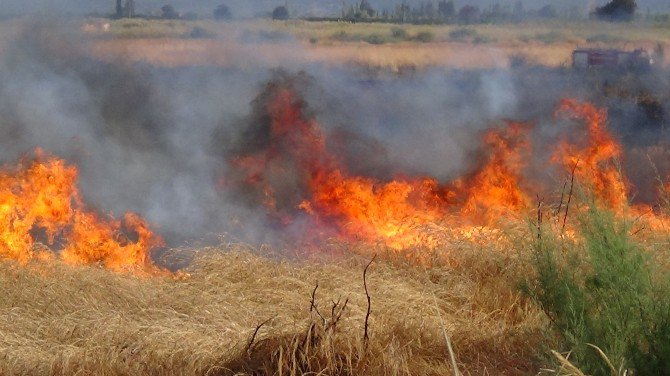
(603, 290)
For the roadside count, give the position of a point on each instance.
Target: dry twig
(567, 205)
(452, 356)
(312, 304)
(366, 336)
(253, 337)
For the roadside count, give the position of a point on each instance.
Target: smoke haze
(159, 141)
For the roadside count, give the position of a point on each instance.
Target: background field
(375, 45)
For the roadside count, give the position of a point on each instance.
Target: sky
(248, 8)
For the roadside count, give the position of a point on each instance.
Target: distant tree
(497, 13)
(366, 9)
(280, 13)
(222, 12)
(402, 13)
(446, 9)
(518, 11)
(129, 9)
(428, 10)
(169, 13)
(547, 11)
(469, 14)
(119, 9)
(617, 10)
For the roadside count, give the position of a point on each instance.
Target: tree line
(446, 11)
(426, 12)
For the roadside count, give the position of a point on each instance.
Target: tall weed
(601, 289)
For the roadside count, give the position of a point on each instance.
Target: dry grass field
(63, 320)
(179, 43)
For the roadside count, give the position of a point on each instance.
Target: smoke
(160, 141)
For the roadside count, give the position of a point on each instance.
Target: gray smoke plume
(159, 141)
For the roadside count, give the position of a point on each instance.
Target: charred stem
(253, 337)
(567, 205)
(312, 304)
(539, 217)
(366, 336)
(560, 203)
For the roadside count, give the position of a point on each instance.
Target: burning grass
(41, 211)
(64, 320)
(236, 312)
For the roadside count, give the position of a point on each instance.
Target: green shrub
(549, 37)
(462, 33)
(425, 36)
(481, 39)
(604, 38)
(200, 33)
(605, 293)
(375, 38)
(398, 33)
(129, 25)
(341, 36)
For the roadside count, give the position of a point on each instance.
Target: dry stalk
(452, 356)
(566, 366)
(567, 205)
(253, 337)
(560, 203)
(366, 336)
(605, 358)
(312, 304)
(336, 315)
(539, 217)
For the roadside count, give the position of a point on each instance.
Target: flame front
(594, 163)
(293, 171)
(40, 204)
(496, 186)
(372, 211)
(396, 212)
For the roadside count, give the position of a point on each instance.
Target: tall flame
(496, 187)
(373, 211)
(594, 163)
(289, 166)
(40, 203)
(391, 212)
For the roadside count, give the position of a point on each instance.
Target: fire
(378, 212)
(496, 186)
(395, 213)
(293, 172)
(41, 205)
(595, 161)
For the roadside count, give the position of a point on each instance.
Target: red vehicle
(611, 58)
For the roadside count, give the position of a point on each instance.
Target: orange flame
(395, 212)
(496, 186)
(416, 211)
(39, 202)
(389, 212)
(595, 162)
